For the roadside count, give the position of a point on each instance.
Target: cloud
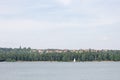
(105, 38)
(74, 20)
(8, 10)
(65, 2)
(23, 25)
(28, 24)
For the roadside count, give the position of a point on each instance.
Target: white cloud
(86, 18)
(25, 24)
(7, 10)
(105, 38)
(65, 2)
(22, 24)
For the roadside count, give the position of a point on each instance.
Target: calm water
(60, 71)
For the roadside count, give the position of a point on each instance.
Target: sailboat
(74, 60)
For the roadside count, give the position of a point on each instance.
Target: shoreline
(60, 61)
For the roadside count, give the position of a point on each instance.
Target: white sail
(74, 60)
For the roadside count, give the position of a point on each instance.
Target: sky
(60, 24)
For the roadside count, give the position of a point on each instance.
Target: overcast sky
(71, 24)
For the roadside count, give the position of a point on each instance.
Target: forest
(28, 54)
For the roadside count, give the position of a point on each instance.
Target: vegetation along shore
(28, 54)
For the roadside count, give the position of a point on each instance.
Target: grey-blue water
(60, 71)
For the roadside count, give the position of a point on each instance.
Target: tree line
(28, 54)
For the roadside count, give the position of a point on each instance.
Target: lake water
(60, 71)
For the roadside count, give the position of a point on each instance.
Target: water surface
(60, 71)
